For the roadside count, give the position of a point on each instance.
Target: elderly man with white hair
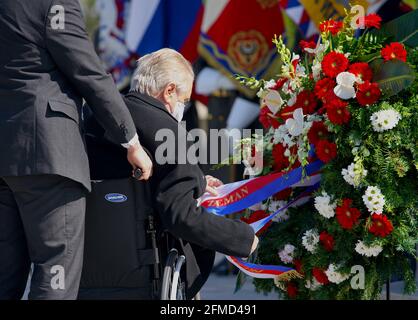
(161, 87)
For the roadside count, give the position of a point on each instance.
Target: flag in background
(132, 28)
(236, 38)
(298, 14)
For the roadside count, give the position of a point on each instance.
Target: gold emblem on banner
(247, 49)
(265, 4)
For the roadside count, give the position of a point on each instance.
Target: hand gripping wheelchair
(127, 255)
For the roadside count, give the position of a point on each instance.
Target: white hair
(158, 69)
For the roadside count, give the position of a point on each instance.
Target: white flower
(270, 84)
(374, 200)
(345, 86)
(368, 251)
(310, 240)
(312, 285)
(352, 175)
(286, 255)
(316, 70)
(276, 205)
(324, 206)
(385, 120)
(273, 101)
(295, 125)
(334, 276)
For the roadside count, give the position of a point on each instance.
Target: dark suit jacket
(175, 188)
(44, 74)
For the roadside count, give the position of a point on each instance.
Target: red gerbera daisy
(395, 50)
(317, 132)
(368, 93)
(324, 87)
(362, 70)
(327, 241)
(381, 225)
(326, 151)
(338, 115)
(372, 21)
(347, 216)
(320, 275)
(281, 162)
(331, 26)
(334, 63)
(307, 101)
(255, 216)
(292, 290)
(267, 119)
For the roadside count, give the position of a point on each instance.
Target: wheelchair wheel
(172, 288)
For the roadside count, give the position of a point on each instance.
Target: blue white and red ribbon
(237, 196)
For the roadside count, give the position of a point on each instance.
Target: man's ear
(168, 93)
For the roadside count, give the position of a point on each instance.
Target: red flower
(307, 44)
(283, 195)
(334, 63)
(320, 275)
(327, 241)
(292, 290)
(395, 50)
(326, 151)
(279, 83)
(324, 87)
(368, 93)
(372, 21)
(338, 115)
(347, 216)
(381, 225)
(281, 162)
(298, 265)
(255, 216)
(267, 119)
(331, 26)
(362, 70)
(287, 112)
(317, 132)
(307, 101)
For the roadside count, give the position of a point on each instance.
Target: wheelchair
(127, 254)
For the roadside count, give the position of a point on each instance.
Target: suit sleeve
(178, 209)
(72, 51)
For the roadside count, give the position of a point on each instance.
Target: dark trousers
(41, 222)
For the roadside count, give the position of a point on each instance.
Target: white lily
(345, 86)
(295, 125)
(273, 101)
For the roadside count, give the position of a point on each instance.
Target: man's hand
(138, 158)
(211, 184)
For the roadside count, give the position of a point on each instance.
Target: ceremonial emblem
(265, 4)
(247, 49)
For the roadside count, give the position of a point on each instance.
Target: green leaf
(403, 29)
(392, 76)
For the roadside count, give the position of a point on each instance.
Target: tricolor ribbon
(241, 195)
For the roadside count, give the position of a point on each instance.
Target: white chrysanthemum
(312, 285)
(385, 120)
(374, 200)
(334, 276)
(353, 176)
(286, 255)
(310, 240)
(368, 251)
(276, 205)
(324, 206)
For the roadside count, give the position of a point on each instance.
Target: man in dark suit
(47, 65)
